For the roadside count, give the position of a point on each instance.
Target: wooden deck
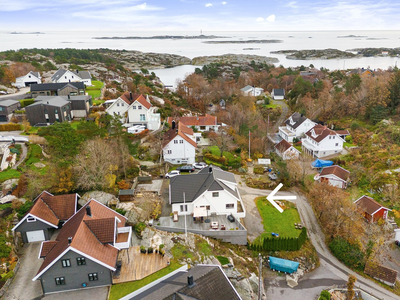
(139, 265)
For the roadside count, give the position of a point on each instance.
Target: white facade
(180, 151)
(119, 108)
(138, 114)
(252, 91)
(277, 97)
(20, 82)
(291, 153)
(334, 180)
(331, 144)
(87, 81)
(68, 76)
(288, 133)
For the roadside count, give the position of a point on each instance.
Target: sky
(191, 15)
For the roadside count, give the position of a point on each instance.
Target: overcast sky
(184, 15)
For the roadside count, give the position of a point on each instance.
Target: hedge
(26, 102)
(280, 243)
(10, 127)
(349, 254)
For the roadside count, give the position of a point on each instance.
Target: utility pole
(260, 277)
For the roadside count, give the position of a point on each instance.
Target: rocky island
(315, 54)
(245, 42)
(161, 37)
(367, 52)
(233, 59)
(351, 36)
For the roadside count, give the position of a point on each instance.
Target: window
(93, 277)
(60, 280)
(180, 141)
(330, 137)
(184, 208)
(169, 151)
(142, 117)
(31, 219)
(66, 263)
(117, 104)
(337, 144)
(139, 107)
(65, 77)
(230, 206)
(333, 137)
(215, 194)
(208, 207)
(122, 104)
(175, 141)
(81, 261)
(56, 111)
(45, 111)
(202, 127)
(134, 107)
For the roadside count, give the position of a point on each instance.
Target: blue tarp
(283, 265)
(319, 163)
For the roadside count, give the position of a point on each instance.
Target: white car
(200, 165)
(172, 174)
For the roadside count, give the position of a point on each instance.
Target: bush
(355, 126)
(10, 127)
(349, 254)
(139, 227)
(26, 102)
(325, 295)
(258, 169)
(22, 210)
(280, 243)
(120, 211)
(4, 249)
(242, 170)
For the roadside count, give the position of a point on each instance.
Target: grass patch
(9, 174)
(95, 89)
(181, 252)
(203, 248)
(346, 144)
(34, 154)
(94, 93)
(98, 102)
(223, 260)
(274, 221)
(75, 124)
(120, 290)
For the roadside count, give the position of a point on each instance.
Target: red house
(370, 209)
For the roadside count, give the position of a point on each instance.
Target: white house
(335, 176)
(249, 90)
(179, 145)
(286, 150)
(209, 192)
(28, 79)
(201, 123)
(63, 75)
(296, 126)
(278, 94)
(142, 112)
(320, 141)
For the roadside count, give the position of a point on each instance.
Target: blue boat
(283, 265)
(319, 163)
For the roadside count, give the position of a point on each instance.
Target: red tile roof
(41, 210)
(321, 132)
(135, 97)
(195, 121)
(183, 130)
(64, 206)
(368, 205)
(84, 239)
(46, 248)
(336, 170)
(282, 146)
(103, 229)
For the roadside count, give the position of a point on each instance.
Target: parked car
(3, 93)
(272, 176)
(231, 218)
(200, 165)
(172, 174)
(397, 243)
(186, 168)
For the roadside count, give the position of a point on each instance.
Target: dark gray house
(85, 252)
(58, 89)
(278, 94)
(202, 282)
(80, 104)
(54, 109)
(46, 215)
(7, 108)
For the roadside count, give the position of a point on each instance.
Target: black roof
(196, 184)
(297, 119)
(55, 86)
(210, 283)
(279, 92)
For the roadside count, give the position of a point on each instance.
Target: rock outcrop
(233, 59)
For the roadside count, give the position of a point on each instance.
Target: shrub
(325, 295)
(258, 169)
(350, 254)
(4, 249)
(139, 227)
(120, 211)
(24, 208)
(355, 126)
(26, 102)
(10, 127)
(242, 170)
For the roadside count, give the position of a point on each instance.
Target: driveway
(327, 260)
(16, 96)
(22, 287)
(100, 293)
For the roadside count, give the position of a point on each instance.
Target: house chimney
(173, 124)
(190, 281)
(69, 240)
(130, 94)
(88, 211)
(209, 169)
(77, 71)
(47, 102)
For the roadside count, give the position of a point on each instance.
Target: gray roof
(58, 74)
(8, 102)
(50, 100)
(297, 118)
(83, 74)
(246, 88)
(126, 192)
(78, 97)
(210, 284)
(55, 86)
(37, 74)
(196, 184)
(61, 72)
(279, 92)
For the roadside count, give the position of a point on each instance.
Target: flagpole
(184, 205)
(249, 143)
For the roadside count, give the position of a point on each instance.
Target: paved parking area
(100, 293)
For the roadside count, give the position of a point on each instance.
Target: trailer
(282, 265)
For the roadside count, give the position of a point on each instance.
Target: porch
(136, 265)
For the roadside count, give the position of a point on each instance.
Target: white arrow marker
(271, 197)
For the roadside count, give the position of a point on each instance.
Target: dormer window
(31, 219)
(139, 107)
(291, 121)
(313, 134)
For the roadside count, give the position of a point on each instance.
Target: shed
(381, 273)
(126, 195)
(283, 265)
(320, 163)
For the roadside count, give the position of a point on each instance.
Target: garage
(35, 236)
(3, 119)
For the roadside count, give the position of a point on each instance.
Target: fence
(279, 243)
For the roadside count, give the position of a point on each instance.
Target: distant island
(245, 42)
(15, 32)
(315, 54)
(161, 37)
(351, 36)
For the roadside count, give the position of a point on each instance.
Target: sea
(291, 40)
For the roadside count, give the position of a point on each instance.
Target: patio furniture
(214, 225)
(223, 227)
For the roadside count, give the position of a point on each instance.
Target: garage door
(35, 236)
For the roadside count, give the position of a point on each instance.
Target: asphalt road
(327, 260)
(17, 96)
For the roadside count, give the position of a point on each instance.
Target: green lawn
(75, 124)
(120, 290)
(8, 174)
(346, 144)
(274, 221)
(223, 260)
(231, 159)
(95, 89)
(98, 102)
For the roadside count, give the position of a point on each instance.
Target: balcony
(123, 240)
